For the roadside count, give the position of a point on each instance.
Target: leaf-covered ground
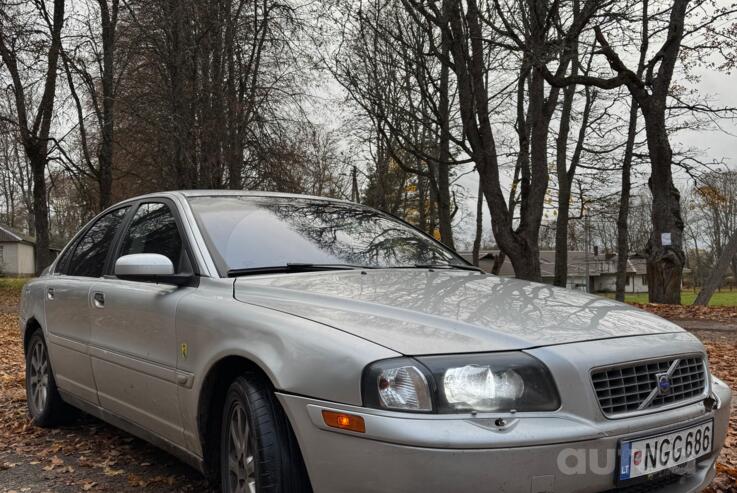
(89, 455)
(723, 360)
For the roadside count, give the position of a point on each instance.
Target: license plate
(649, 455)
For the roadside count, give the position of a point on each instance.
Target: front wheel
(44, 402)
(258, 450)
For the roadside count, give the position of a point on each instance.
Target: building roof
(11, 235)
(577, 263)
(8, 234)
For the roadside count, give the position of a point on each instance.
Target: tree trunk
(234, 111)
(696, 272)
(105, 180)
(560, 277)
(565, 178)
(623, 246)
(181, 79)
(498, 263)
(624, 205)
(37, 157)
(421, 199)
(445, 222)
(479, 227)
(105, 155)
(444, 203)
(717, 274)
(519, 244)
(527, 264)
(511, 205)
(665, 256)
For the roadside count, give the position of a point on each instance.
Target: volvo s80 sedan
(284, 343)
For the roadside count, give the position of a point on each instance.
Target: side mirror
(149, 267)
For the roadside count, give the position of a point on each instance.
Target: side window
(154, 230)
(89, 255)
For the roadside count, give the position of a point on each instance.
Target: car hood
(421, 311)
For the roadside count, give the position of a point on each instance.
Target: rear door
(67, 304)
(134, 346)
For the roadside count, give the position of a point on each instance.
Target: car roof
(234, 193)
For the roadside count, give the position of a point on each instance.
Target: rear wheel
(44, 402)
(258, 451)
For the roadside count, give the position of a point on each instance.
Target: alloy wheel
(39, 376)
(241, 467)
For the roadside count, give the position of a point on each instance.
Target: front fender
(298, 355)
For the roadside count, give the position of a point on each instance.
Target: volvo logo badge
(664, 383)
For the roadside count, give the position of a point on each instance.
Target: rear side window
(90, 252)
(154, 230)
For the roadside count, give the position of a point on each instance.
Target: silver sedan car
(284, 343)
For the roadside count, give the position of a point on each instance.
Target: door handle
(50, 294)
(98, 299)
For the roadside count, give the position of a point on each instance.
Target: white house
(18, 253)
(592, 272)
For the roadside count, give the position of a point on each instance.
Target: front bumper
(551, 453)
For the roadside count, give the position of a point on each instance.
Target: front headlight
(496, 382)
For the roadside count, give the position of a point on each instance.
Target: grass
(720, 298)
(12, 285)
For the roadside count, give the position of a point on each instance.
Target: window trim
(125, 226)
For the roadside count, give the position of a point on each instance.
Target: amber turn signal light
(344, 421)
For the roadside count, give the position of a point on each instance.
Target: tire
(45, 405)
(258, 450)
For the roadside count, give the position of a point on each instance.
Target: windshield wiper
(450, 266)
(290, 267)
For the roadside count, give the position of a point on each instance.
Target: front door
(67, 305)
(134, 346)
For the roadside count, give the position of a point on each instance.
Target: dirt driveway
(92, 456)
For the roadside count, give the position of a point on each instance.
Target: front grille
(634, 387)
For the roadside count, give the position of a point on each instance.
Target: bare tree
(650, 88)
(566, 174)
(388, 66)
(715, 278)
(34, 126)
(210, 86)
(16, 180)
(527, 27)
(92, 65)
(624, 198)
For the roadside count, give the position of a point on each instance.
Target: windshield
(245, 232)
